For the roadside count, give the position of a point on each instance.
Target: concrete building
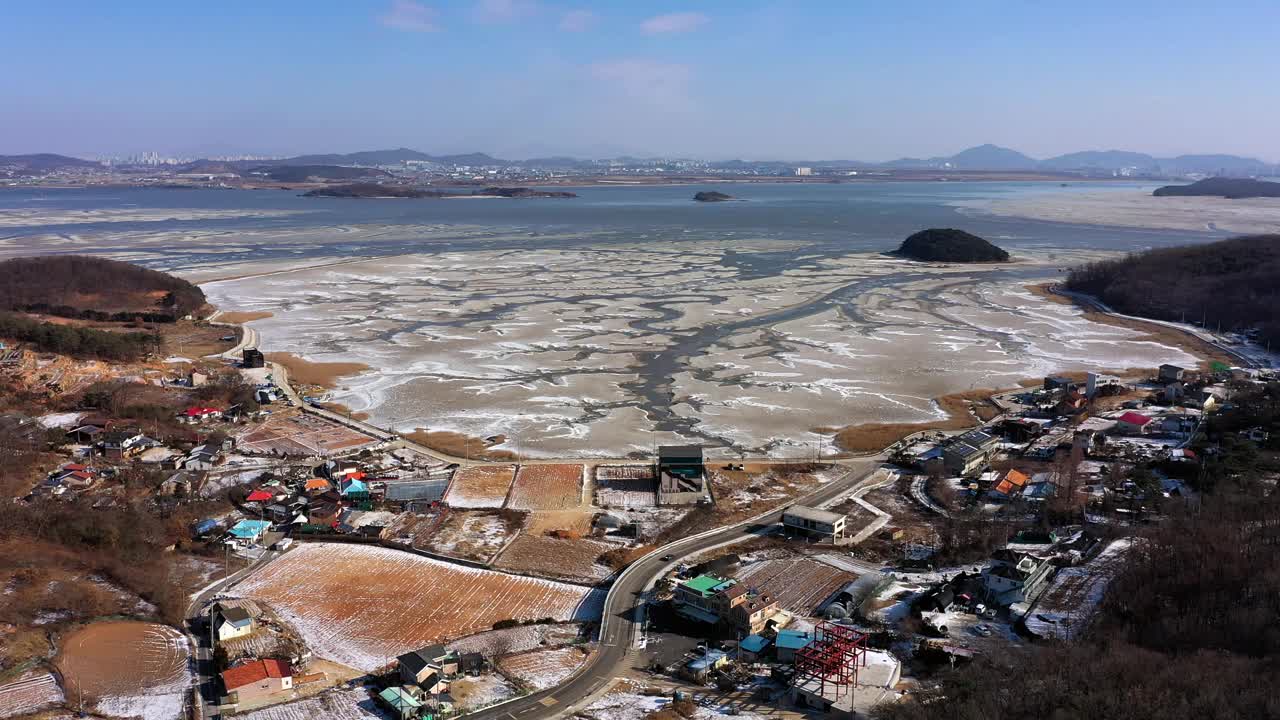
(253, 358)
(968, 454)
(804, 171)
(682, 476)
(1015, 577)
(820, 525)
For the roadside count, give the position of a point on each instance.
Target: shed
(401, 702)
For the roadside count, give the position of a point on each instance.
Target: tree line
(79, 341)
(1233, 284)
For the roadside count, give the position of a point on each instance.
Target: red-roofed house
(1132, 423)
(259, 496)
(258, 680)
(199, 414)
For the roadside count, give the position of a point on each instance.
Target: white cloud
(673, 23)
(503, 11)
(577, 21)
(410, 16)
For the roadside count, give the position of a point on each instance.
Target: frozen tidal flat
(591, 350)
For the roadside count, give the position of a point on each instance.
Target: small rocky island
(1229, 188)
(377, 190)
(523, 192)
(950, 245)
(712, 196)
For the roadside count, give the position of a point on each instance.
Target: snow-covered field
(1071, 600)
(353, 704)
(29, 692)
(542, 669)
(361, 605)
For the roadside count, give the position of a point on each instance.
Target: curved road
(623, 612)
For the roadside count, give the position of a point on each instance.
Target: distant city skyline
(710, 80)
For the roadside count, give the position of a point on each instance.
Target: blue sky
(839, 79)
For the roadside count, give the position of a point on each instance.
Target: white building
(804, 171)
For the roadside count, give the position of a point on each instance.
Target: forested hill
(94, 288)
(950, 245)
(1233, 283)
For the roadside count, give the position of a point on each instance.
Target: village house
(181, 483)
(1015, 577)
(121, 444)
(85, 434)
(753, 648)
(427, 668)
(820, 525)
(354, 488)
(750, 612)
(257, 681)
(248, 532)
(1169, 373)
(202, 457)
(699, 664)
(789, 642)
(198, 414)
(1133, 423)
(336, 470)
(1008, 485)
(230, 623)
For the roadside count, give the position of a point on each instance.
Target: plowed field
(363, 605)
(481, 486)
(798, 585)
(547, 487)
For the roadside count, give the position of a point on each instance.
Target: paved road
(622, 613)
(198, 636)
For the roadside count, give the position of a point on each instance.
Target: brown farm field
(547, 487)
(123, 660)
(798, 584)
(480, 486)
(363, 605)
(296, 433)
(570, 560)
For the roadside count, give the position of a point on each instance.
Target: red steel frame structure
(834, 657)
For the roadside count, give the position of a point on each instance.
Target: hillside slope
(1233, 283)
(90, 287)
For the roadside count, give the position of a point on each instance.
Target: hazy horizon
(712, 80)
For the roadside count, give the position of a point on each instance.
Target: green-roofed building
(401, 702)
(699, 598)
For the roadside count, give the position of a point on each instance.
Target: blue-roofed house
(789, 642)
(353, 489)
(697, 668)
(249, 531)
(752, 648)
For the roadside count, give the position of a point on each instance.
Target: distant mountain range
(983, 157)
